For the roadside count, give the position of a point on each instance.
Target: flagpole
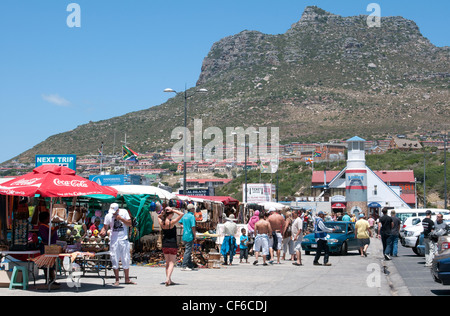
(101, 158)
(125, 165)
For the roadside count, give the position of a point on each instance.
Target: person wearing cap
(428, 228)
(118, 220)
(320, 234)
(363, 234)
(229, 245)
(189, 232)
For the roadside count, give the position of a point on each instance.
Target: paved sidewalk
(350, 275)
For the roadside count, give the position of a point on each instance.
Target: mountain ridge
(326, 77)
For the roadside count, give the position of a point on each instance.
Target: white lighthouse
(356, 177)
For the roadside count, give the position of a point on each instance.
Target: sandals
(169, 284)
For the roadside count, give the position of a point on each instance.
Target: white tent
(277, 206)
(144, 189)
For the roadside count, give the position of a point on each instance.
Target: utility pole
(424, 184)
(445, 171)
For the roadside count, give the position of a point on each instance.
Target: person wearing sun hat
(229, 245)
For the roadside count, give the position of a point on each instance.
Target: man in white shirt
(229, 242)
(297, 237)
(118, 220)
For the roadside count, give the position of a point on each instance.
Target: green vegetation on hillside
(295, 177)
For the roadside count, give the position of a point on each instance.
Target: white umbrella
(144, 189)
(269, 205)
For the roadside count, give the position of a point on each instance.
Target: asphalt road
(416, 277)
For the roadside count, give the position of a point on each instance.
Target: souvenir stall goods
(20, 226)
(54, 182)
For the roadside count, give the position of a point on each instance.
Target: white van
(404, 213)
(412, 227)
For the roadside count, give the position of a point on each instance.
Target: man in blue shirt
(346, 218)
(320, 234)
(188, 222)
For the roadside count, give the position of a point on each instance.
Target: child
(243, 246)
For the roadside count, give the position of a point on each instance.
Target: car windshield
(339, 227)
(404, 216)
(416, 221)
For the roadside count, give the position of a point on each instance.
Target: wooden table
(49, 260)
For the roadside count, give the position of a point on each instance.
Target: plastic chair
(24, 283)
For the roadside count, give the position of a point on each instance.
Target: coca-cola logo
(25, 181)
(70, 183)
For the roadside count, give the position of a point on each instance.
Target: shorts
(120, 251)
(170, 251)
(262, 244)
(363, 242)
(279, 243)
(298, 244)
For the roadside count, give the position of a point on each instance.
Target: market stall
(43, 191)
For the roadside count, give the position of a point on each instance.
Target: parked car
(421, 246)
(444, 242)
(341, 241)
(442, 245)
(403, 214)
(440, 269)
(411, 230)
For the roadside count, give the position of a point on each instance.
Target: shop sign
(69, 161)
(259, 192)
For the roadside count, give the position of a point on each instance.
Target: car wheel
(344, 248)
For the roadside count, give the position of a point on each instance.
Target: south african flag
(129, 154)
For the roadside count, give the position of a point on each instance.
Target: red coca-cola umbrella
(53, 181)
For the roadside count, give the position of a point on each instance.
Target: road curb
(395, 281)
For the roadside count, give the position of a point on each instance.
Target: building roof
(395, 176)
(356, 139)
(318, 176)
(409, 198)
(388, 176)
(208, 180)
(407, 144)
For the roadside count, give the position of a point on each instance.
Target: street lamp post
(445, 170)
(186, 96)
(246, 145)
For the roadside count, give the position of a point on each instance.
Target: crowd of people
(272, 235)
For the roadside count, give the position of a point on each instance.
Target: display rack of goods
(95, 244)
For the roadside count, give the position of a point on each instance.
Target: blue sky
(54, 78)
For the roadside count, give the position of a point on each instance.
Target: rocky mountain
(327, 77)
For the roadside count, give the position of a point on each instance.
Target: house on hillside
(404, 144)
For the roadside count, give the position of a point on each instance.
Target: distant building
(201, 183)
(404, 144)
(358, 189)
